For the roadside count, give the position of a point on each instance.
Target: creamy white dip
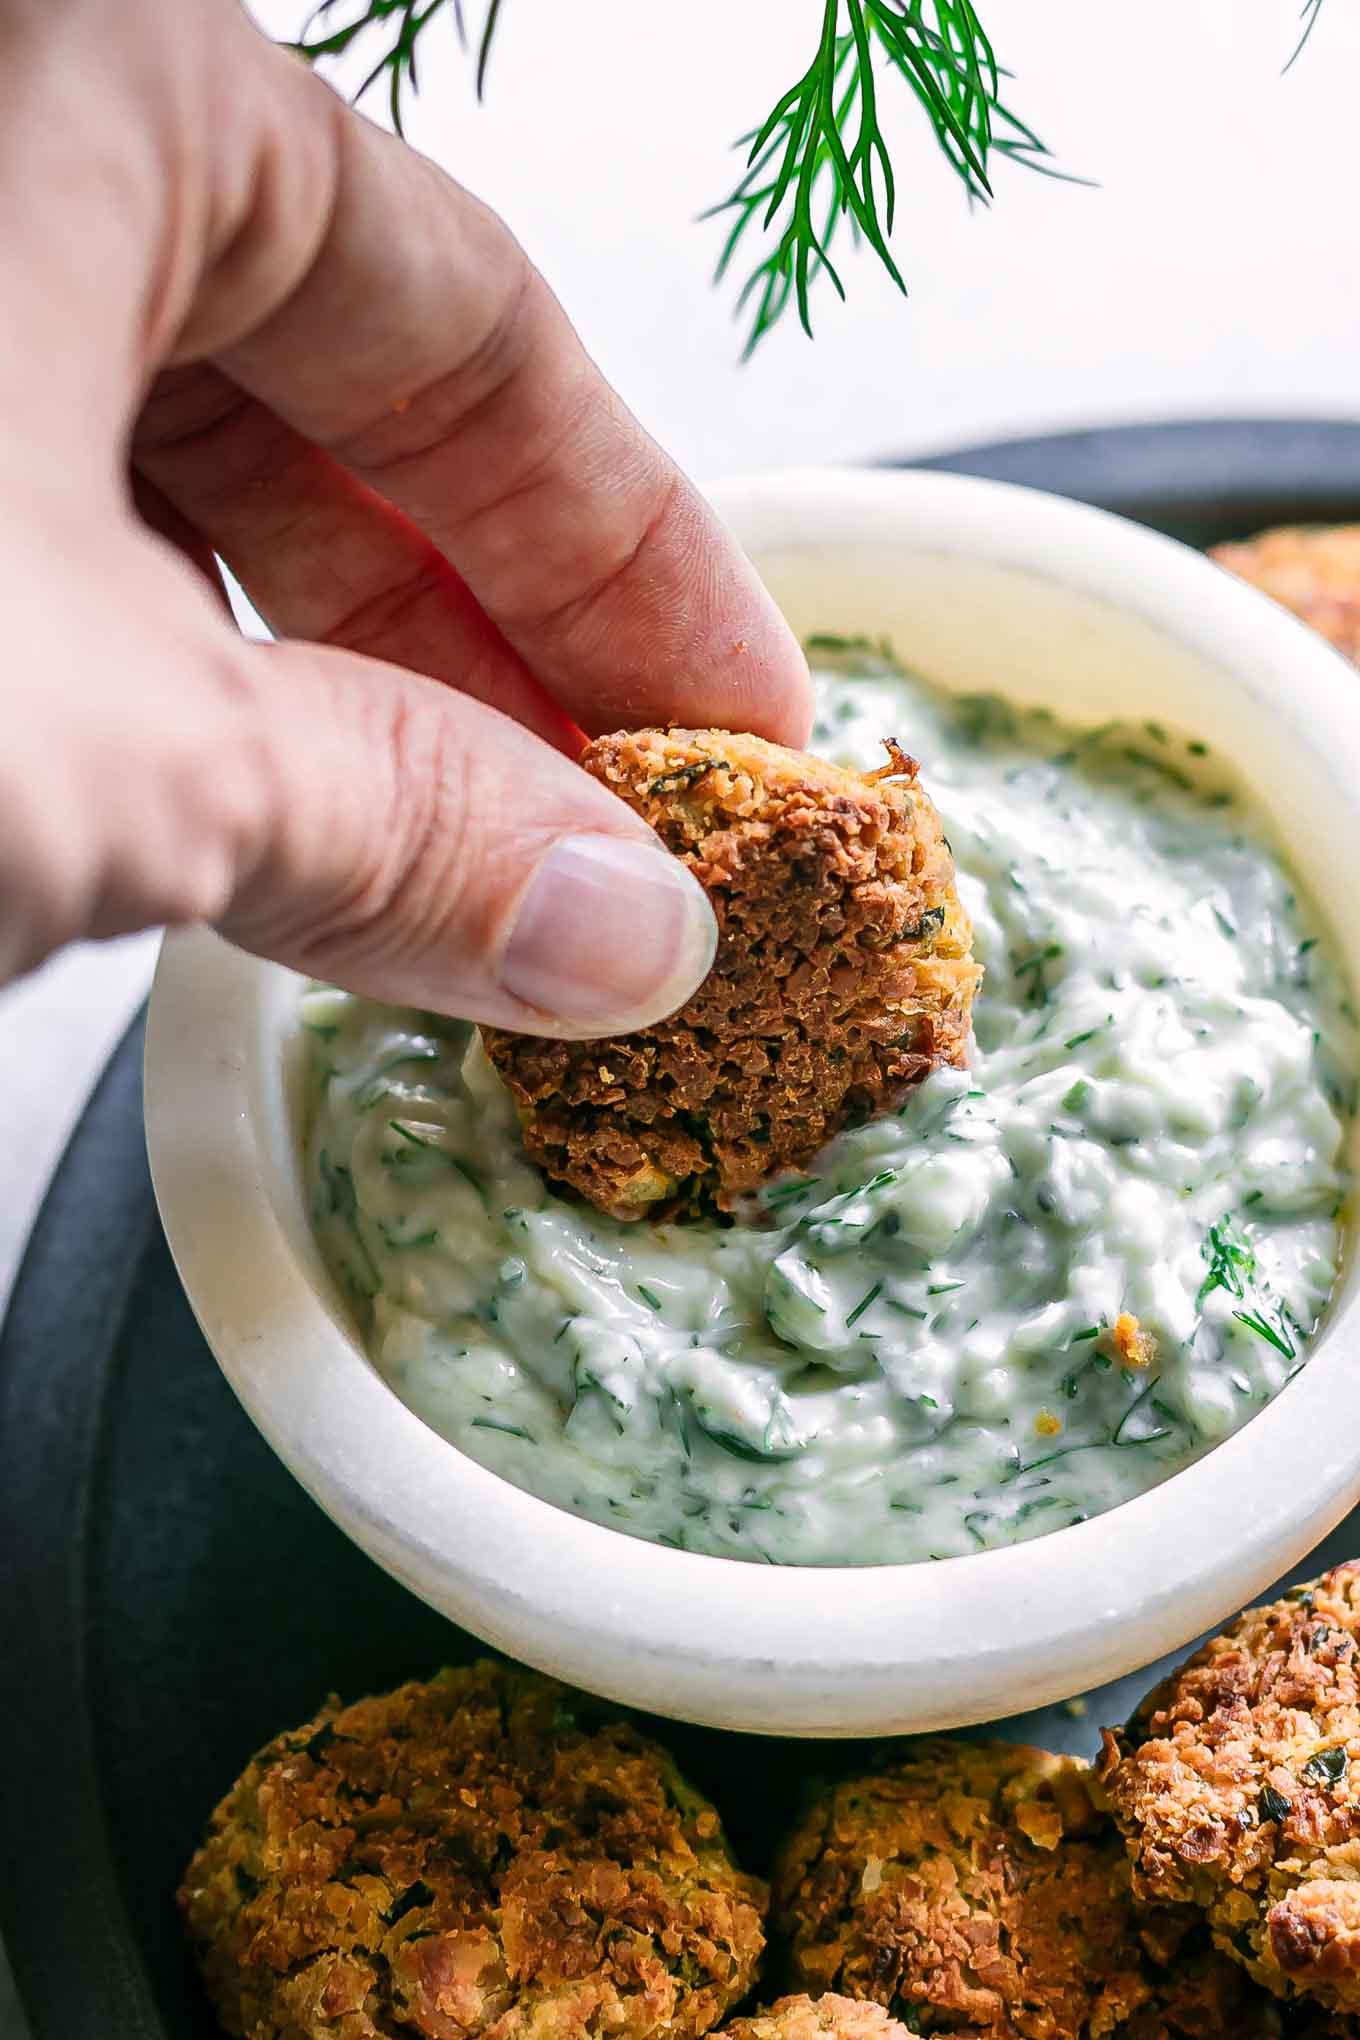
(909, 1352)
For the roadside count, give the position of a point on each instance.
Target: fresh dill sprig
(1308, 15)
(400, 24)
(820, 156)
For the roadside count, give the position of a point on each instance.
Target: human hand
(240, 319)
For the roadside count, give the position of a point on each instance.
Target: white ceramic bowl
(977, 585)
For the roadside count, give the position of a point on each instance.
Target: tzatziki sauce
(913, 1350)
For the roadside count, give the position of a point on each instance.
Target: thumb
(420, 847)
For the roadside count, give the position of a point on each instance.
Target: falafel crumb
(1132, 1345)
(900, 765)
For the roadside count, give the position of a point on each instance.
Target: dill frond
(819, 161)
(820, 157)
(1308, 15)
(395, 27)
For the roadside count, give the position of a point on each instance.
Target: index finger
(459, 390)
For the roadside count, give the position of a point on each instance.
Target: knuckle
(271, 202)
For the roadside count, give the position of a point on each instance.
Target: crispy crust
(974, 1889)
(486, 1854)
(843, 976)
(1237, 1784)
(1313, 570)
(823, 2018)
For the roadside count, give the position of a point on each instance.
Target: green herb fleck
(1146, 1399)
(1160, 766)
(413, 1139)
(830, 641)
(1326, 1767)
(1040, 956)
(1273, 1805)
(870, 1296)
(1232, 1263)
(683, 776)
(1028, 1509)
(510, 1430)
(1255, 1322)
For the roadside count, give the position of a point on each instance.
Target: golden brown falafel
(843, 976)
(488, 1853)
(1237, 1784)
(974, 1889)
(1313, 570)
(823, 2018)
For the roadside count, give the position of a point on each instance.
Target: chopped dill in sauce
(910, 1350)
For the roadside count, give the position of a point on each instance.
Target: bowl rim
(812, 1650)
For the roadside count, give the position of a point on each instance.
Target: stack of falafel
(492, 1856)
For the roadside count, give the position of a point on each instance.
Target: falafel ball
(1237, 1784)
(843, 976)
(488, 1853)
(974, 1889)
(823, 2018)
(1313, 570)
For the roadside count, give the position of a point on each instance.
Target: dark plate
(1201, 480)
(169, 1597)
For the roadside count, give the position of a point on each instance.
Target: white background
(1213, 271)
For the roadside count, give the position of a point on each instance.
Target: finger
(319, 555)
(352, 820)
(462, 395)
(426, 849)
